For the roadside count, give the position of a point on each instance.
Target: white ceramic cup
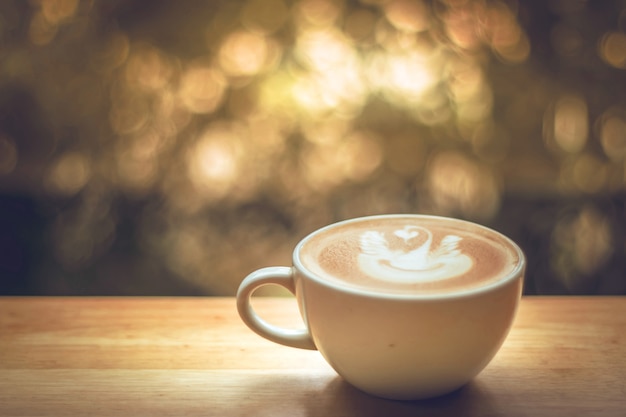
(398, 345)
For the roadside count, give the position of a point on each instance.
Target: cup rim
(516, 272)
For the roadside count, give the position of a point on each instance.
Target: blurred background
(172, 147)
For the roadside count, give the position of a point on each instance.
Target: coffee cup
(402, 307)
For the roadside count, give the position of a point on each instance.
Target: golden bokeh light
(276, 95)
(613, 49)
(186, 136)
(333, 79)
(613, 136)
(147, 68)
(468, 88)
(461, 25)
(215, 161)
(505, 35)
(69, 173)
(45, 22)
(466, 80)
(324, 49)
(567, 126)
(202, 88)
(245, 54)
(405, 76)
(57, 11)
(460, 186)
(571, 125)
(408, 15)
(320, 13)
(472, 24)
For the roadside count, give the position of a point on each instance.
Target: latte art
(408, 254)
(411, 263)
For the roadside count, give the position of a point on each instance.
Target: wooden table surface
(193, 357)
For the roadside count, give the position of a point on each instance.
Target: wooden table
(193, 357)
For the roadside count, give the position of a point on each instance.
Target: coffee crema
(405, 254)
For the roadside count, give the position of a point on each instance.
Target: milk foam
(408, 254)
(411, 262)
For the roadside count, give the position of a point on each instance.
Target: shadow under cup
(395, 329)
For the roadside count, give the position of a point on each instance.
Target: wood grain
(194, 357)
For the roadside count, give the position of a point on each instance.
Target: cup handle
(277, 275)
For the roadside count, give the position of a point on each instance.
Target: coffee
(426, 255)
(393, 303)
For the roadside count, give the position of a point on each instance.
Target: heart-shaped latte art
(406, 234)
